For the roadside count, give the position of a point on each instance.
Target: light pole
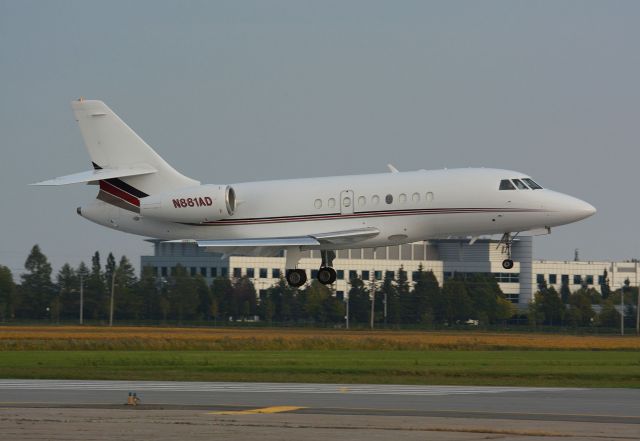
(622, 310)
(81, 298)
(113, 285)
(347, 315)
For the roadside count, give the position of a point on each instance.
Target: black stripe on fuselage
(120, 184)
(382, 213)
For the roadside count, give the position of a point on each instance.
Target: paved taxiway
(253, 410)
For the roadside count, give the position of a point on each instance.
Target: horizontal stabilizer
(100, 174)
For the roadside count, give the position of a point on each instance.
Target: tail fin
(113, 145)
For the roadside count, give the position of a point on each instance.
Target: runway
(616, 412)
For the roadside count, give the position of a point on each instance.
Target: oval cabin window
(403, 198)
(375, 199)
(317, 203)
(388, 199)
(429, 197)
(415, 197)
(362, 201)
(346, 202)
(331, 203)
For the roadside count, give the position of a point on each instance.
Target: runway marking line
(271, 409)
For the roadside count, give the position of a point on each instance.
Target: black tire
(326, 275)
(507, 264)
(296, 277)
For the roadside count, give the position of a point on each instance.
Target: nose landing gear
(506, 241)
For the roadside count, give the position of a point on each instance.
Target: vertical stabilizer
(113, 145)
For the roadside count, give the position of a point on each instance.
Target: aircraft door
(346, 202)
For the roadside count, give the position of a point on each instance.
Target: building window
(600, 280)
(275, 273)
(214, 271)
(577, 279)
(237, 273)
(540, 279)
(314, 274)
(378, 275)
(163, 271)
(589, 280)
(365, 275)
(203, 271)
(353, 274)
(388, 199)
(415, 275)
(173, 270)
(389, 274)
(448, 274)
(553, 279)
(251, 273)
(513, 298)
(340, 274)
(340, 295)
(565, 279)
(263, 294)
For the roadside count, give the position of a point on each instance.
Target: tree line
(472, 298)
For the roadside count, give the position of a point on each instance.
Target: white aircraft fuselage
(140, 193)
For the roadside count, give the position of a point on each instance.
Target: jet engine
(193, 205)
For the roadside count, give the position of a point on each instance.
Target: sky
(232, 91)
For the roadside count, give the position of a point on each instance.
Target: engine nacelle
(194, 205)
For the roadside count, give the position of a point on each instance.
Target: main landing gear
(506, 242)
(326, 273)
(298, 277)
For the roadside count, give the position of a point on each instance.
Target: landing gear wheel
(326, 275)
(296, 277)
(507, 264)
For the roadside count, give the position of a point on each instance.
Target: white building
(443, 257)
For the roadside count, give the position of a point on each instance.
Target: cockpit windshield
(506, 184)
(532, 184)
(519, 184)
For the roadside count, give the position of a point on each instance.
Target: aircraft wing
(271, 246)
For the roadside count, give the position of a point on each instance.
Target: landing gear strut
(506, 242)
(326, 273)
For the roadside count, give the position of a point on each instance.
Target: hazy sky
(246, 90)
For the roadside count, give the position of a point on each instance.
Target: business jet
(142, 194)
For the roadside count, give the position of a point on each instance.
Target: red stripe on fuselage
(115, 191)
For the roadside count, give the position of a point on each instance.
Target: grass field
(312, 355)
(521, 368)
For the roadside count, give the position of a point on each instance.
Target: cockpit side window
(532, 184)
(521, 185)
(506, 184)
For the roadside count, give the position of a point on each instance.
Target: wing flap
(100, 174)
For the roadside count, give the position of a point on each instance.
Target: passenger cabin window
(331, 203)
(506, 184)
(532, 184)
(375, 199)
(317, 203)
(521, 185)
(362, 201)
(388, 199)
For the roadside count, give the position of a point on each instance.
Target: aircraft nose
(579, 209)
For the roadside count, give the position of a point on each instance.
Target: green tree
(69, 295)
(128, 300)
(609, 315)
(459, 305)
(182, 295)
(149, 289)
(388, 290)
(549, 306)
(580, 311)
(316, 296)
(205, 299)
(565, 292)
(425, 290)
(244, 294)
(7, 294)
(605, 289)
(359, 302)
(488, 302)
(222, 293)
(95, 297)
(405, 297)
(37, 290)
